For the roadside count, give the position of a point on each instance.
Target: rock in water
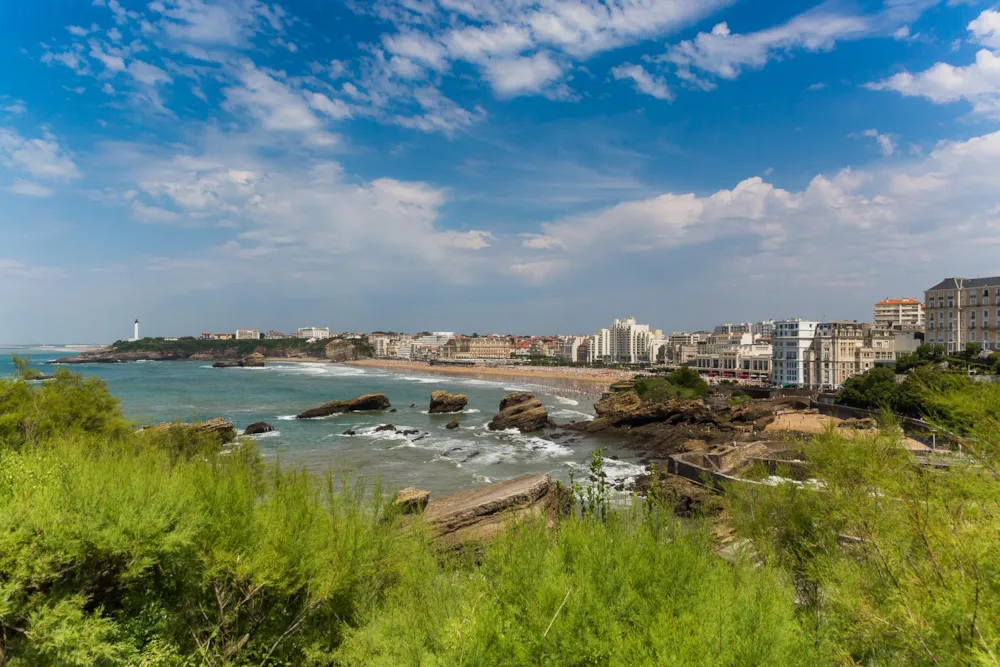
(257, 428)
(411, 501)
(361, 403)
(521, 411)
(453, 424)
(387, 427)
(442, 402)
(219, 427)
(255, 360)
(480, 514)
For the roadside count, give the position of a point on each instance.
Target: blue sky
(501, 165)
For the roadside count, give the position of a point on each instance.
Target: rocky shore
(223, 354)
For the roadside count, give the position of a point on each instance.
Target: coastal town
(956, 314)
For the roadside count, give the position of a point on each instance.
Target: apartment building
(789, 345)
(247, 334)
(963, 310)
(899, 314)
(568, 348)
(841, 350)
(383, 345)
(314, 332)
(627, 342)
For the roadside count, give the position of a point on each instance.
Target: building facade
(247, 334)
(789, 344)
(899, 314)
(841, 350)
(963, 310)
(627, 342)
(318, 333)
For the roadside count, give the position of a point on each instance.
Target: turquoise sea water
(440, 461)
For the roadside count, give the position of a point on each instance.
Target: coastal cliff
(196, 349)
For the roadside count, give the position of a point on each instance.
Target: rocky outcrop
(521, 411)
(478, 515)
(255, 360)
(411, 501)
(258, 428)
(386, 428)
(452, 425)
(443, 402)
(668, 426)
(223, 429)
(363, 403)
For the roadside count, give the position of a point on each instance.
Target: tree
(874, 390)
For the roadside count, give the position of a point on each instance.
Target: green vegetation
(163, 549)
(681, 383)
(159, 548)
(893, 563)
(950, 400)
(185, 347)
(970, 360)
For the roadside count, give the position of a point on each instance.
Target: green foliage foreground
(115, 549)
(118, 548)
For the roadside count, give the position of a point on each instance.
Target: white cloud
(977, 83)
(885, 142)
(723, 54)
(29, 189)
(644, 81)
(42, 158)
(519, 76)
(276, 105)
(520, 48)
(153, 214)
(111, 62)
(148, 74)
(16, 108)
(940, 203)
(227, 23)
(13, 268)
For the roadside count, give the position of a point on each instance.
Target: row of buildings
(309, 333)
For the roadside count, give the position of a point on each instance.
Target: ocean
(437, 459)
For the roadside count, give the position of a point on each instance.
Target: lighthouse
(135, 335)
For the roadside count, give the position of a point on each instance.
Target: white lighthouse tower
(135, 335)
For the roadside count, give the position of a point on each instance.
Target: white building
(763, 329)
(247, 334)
(627, 342)
(789, 344)
(899, 313)
(569, 348)
(318, 333)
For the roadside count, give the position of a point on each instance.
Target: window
(972, 336)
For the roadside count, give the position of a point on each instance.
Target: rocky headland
(225, 354)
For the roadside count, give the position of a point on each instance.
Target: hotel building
(962, 311)
(318, 333)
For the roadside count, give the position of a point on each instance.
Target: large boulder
(221, 428)
(442, 402)
(363, 403)
(521, 411)
(480, 514)
(255, 360)
(452, 425)
(258, 428)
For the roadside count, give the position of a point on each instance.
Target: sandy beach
(596, 378)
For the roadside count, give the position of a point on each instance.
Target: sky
(525, 166)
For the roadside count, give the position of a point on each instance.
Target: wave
(286, 418)
(572, 414)
(567, 401)
(261, 436)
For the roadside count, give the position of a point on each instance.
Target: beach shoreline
(593, 378)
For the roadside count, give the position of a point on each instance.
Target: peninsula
(200, 349)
